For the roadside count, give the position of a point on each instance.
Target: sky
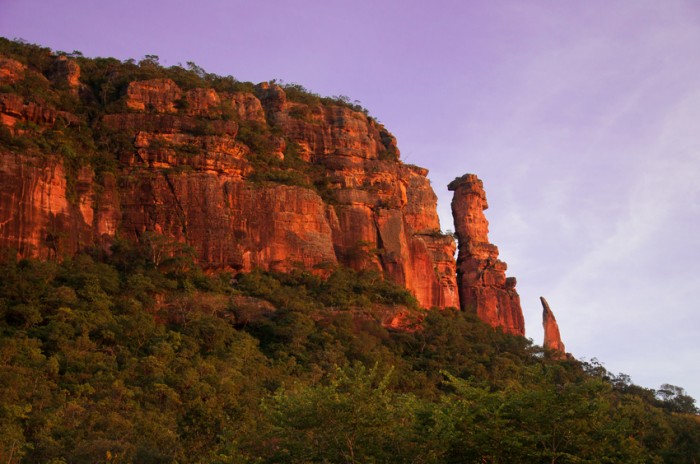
(581, 117)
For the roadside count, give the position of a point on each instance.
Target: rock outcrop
(38, 217)
(552, 338)
(66, 72)
(483, 286)
(13, 109)
(11, 71)
(247, 179)
(154, 95)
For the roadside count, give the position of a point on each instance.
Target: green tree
(352, 417)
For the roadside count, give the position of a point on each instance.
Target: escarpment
(245, 176)
(248, 177)
(481, 278)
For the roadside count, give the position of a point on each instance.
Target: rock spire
(481, 280)
(552, 338)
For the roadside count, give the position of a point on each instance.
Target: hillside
(196, 269)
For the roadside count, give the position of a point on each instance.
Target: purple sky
(580, 117)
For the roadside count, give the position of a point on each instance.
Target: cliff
(248, 177)
(481, 279)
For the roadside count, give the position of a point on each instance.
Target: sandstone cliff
(247, 178)
(481, 279)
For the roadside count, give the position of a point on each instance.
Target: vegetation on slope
(84, 140)
(115, 359)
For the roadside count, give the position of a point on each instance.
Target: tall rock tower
(481, 279)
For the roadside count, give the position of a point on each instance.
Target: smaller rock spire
(552, 338)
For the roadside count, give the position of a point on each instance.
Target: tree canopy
(115, 359)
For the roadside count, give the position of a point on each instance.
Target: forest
(110, 358)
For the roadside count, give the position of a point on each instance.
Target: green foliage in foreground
(120, 360)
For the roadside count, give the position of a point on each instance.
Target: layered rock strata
(552, 338)
(481, 280)
(247, 179)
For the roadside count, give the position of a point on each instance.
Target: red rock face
(481, 278)
(247, 107)
(552, 338)
(188, 179)
(37, 218)
(11, 71)
(66, 72)
(13, 109)
(230, 223)
(203, 102)
(384, 213)
(154, 95)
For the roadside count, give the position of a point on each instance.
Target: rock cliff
(481, 279)
(552, 338)
(247, 178)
